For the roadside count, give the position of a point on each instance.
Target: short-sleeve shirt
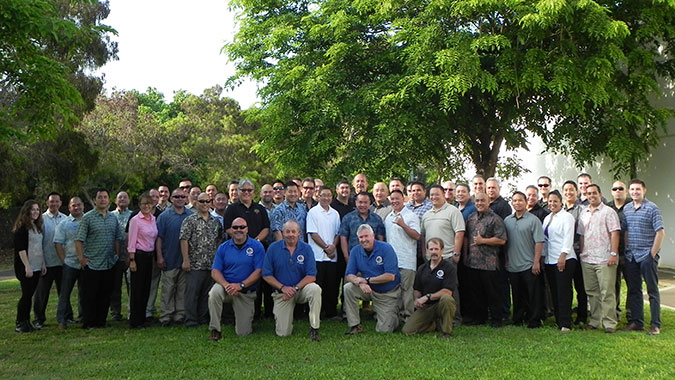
(383, 209)
(352, 221)
(285, 212)
(255, 216)
(421, 208)
(168, 229)
(643, 224)
(236, 263)
(596, 226)
(342, 208)
(483, 256)
(501, 207)
(523, 233)
(289, 269)
(404, 246)
(443, 223)
(382, 259)
(65, 234)
(325, 223)
(468, 209)
(48, 228)
(203, 237)
(429, 281)
(98, 232)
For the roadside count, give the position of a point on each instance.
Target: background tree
(386, 86)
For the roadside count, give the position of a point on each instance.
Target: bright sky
(173, 45)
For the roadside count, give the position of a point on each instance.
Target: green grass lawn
(473, 353)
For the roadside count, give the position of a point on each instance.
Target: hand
(232, 289)
(44, 270)
(561, 262)
(420, 302)
(365, 288)
(399, 221)
(161, 264)
(84, 261)
(185, 266)
(330, 251)
(29, 272)
(478, 240)
(289, 292)
(536, 268)
(132, 266)
(455, 258)
(613, 260)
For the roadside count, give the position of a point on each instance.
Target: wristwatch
(368, 280)
(242, 285)
(296, 288)
(428, 297)
(612, 253)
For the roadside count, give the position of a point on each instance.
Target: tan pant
(385, 306)
(172, 305)
(242, 304)
(427, 318)
(283, 310)
(599, 283)
(406, 304)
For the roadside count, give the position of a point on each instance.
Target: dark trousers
(28, 286)
(504, 288)
(328, 278)
(41, 298)
(64, 311)
(96, 290)
(483, 296)
(647, 269)
(198, 283)
(264, 304)
(140, 288)
(526, 288)
(119, 274)
(561, 291)
(621, 273)
(582, 298)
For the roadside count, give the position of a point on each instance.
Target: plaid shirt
(643, 224)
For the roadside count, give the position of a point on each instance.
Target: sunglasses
(278, 188)
(543, 185)
(308, 188)
(246, 190)
(204, 201)
(239, 227)
(618, 188)
(179, 196)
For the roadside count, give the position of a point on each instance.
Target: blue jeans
(64, 311)
(635, 272)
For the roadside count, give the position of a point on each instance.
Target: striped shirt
(98, 232)
(643, 224)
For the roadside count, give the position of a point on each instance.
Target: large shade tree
(390, 85)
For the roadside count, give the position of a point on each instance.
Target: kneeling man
(434, 304)
(236, 271)
(290, 269)
(377, 264)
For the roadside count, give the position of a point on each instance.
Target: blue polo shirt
(286, 268)
(168, 229)
(381, 260)
(236, 264)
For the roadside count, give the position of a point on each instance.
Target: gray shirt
(48, 228)
(524, 233)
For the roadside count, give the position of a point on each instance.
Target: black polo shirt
(539, 212)
(256, 217)
(341, 208)
(501, 207)
(429, 281)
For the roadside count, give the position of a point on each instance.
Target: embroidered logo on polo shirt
(378, 260)
(439, 274)
(249, 251)
(301, 259)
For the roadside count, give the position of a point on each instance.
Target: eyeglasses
(448, 189)
(246, 190)
(185, 187)
(278, 188)
(308, 188)
(204, 201)
(179, 196)
(239, 227)
(146, 204)
(543, 185)
(618, 188)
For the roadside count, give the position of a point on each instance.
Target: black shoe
(117, 317)
(314, 335)
(23, 327)
(354, 330)
(38, 324)
(72, 321)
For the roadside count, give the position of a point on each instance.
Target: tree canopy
(386, 86)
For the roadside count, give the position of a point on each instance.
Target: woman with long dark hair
(29, 262)
(141, 248)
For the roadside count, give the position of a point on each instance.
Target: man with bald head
(64, 242)
(449, 192)
(381, 206)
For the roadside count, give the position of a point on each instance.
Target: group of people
(416, 258)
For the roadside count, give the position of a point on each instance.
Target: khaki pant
(406, 304)
(385, 306)
(172, 304)
(599, 283)
(283, 310)
(242, 304)
(426, 319)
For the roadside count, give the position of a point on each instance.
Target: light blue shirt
(65, 234)
(48, 228)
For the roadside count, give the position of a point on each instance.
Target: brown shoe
(654, 331)
(633, 327)
(62, 326)
(355, 330)
(314, 335)
(215, 335)
(610, 330)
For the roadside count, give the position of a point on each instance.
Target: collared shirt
(469, 208)
(203, 237)
(643, 224)
(65, 234)
(596, 226)
(98, 232)
(429, 281)
(168, 229)
(161, 208)
(501, 207)
(285, 212)
(217, 216)
(342, 208)
(325, 223)
(559, 233)
(270, 237)
(289, 269)
(421, 208)
(49, 223)
(255, 216)
(236, 263)
(539, 212)
(622, 221)
(352, 221)
(404, 246)
(123, 221)
(383, 209)
(575, 210)
(483, 256)
(443, 223)
(523, 233)
(382, 259)
(142, 233)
